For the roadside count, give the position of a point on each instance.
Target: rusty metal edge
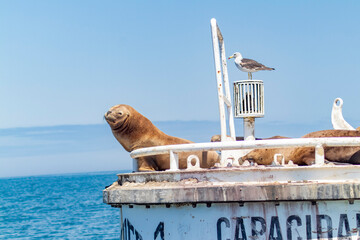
(234, 193)
(230, 174)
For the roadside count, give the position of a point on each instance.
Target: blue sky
(66, 62)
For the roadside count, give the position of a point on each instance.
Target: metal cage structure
(249, 98)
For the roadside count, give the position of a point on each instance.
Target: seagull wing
(253, 65)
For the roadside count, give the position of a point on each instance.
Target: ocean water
(65, 206)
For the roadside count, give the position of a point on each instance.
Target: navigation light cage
(249, 98)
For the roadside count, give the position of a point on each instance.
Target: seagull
(248, 65)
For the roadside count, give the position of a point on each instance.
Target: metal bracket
(174, 161)
(337, 118)
(190, 166)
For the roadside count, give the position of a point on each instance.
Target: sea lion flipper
(308, 160)
(146, 164)
(336, 163)
(355, 158)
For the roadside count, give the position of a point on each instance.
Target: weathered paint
(243, 184)
(262, 220)
(258, 202)
(252, 174)
(249, 129)
(222, 80)
(224, 99)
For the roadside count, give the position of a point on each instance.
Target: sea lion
(217, 138)
(306, 155)
(134, 131)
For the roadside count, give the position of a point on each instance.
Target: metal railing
(317, 143)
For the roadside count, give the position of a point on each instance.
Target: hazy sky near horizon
(91, 148)
(67, 62)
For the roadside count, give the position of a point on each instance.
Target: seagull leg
(250, 75)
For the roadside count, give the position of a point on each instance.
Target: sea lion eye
(120, 113)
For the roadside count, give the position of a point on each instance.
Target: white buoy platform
(284, 202)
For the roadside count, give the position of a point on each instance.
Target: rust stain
(321, 232)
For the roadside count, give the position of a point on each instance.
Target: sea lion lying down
(134, 131)
(217, 138)
(306, 155)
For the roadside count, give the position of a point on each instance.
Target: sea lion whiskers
(123, 127)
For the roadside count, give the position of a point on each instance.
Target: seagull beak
(231, 57)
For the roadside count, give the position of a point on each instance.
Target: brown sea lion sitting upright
(306, 155)
(135, 131)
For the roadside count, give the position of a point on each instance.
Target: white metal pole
(135, 165)
(249, 128)
(218, 78)
(319, 155)
(227, 90)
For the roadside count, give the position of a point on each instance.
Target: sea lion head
(118, 116)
